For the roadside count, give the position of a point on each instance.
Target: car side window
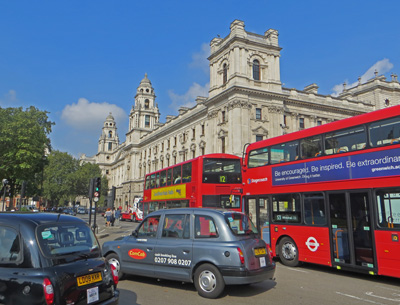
(205, 227)
(149, 227)
(176, 226)
(10, 246)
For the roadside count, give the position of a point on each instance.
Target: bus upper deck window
(385, 132)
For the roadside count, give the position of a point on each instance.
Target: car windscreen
(67, 239)
(240, 224)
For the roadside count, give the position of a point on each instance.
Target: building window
(258, 113)
(109, 146)
(259, 138)
(301, 123)
(203, 151)
(168, 144)
(319, 123)
(202, 129)
(162, 146)
(147, 121)
(110, 134)
(223, 145)
(225, 74)
(174, 141)
(146, 104)
(223, 117)
(107, 172)
(256, 69)
(194, 133)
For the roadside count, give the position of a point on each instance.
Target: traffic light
(96, 188)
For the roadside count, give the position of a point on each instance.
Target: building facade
(246, 103)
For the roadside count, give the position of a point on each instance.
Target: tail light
(241, 256)
(269, 252)
(48, 291)
(114, 274)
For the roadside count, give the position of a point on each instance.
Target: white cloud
(199, 59)
(85, 115)
(188, 99)
(381, 66)
(9, 99)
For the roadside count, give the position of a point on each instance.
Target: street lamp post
(5, 182)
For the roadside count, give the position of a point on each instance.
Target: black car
(52, 259)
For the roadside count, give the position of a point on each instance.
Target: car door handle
(149, 249)
(185, 251)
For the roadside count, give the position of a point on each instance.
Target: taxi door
(173, 253)
(137, 253)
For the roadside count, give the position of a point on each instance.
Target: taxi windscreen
(66, 239)
(240, 224)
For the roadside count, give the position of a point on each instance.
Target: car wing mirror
(135, 233)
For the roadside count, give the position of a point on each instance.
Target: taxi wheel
(208, 281)
(288, 252)
(113, 259)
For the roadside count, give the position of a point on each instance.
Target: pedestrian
(118, 215)
(108, 217)
(112, 216)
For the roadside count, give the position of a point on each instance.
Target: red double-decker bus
(212, 181)
(330, 194)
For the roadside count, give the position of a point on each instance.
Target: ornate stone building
(246, 103)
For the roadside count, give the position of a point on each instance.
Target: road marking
(371, 294)
(294, 269)
(357, 298)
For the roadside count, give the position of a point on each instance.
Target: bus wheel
(133, 218)
(288, 252)
(208, 281)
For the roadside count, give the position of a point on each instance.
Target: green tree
(59, 183)
(65, 178)
(23, 143)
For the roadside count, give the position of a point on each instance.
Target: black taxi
(52, 259)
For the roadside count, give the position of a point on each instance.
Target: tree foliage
(23, 143)
(65, 178)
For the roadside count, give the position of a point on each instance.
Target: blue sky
(80, 60)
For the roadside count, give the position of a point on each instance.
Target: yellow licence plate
(259, 251)
(89, 279)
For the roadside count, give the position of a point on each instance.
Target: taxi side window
(176, 226)
(204, 227)
(10, 250)
(149, 227)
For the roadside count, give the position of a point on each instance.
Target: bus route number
(222, 179)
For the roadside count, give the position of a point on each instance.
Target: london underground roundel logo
(312, 244)
(137, 254)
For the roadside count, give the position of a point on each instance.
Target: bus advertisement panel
(330, 194)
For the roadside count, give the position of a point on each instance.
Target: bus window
(286, 208)
(388, 208)
(385, 132)
(148, 183)
(345, 140)
(169, 176)
(177, 174)
(177, 204)
(187, 172)
(311, 147)
(152, 181)
(163, 178)
(158, 180)
(258, 157)
(314, 209)
(284, 152)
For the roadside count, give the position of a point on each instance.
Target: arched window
(256, 69)
(110, 134)
(225, 74)
(146, 104)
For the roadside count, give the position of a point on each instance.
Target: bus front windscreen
(223, 171)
